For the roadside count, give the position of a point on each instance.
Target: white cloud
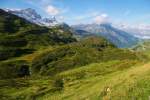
(51, 10)
(142, 26)
(61, 18)
(90, 17)
(138, 26)
(55, 11)
(104, 15)
(99, 19)
(138, 30)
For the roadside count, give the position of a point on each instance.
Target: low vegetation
(39, 63)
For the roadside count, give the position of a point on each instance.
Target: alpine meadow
(74, 50)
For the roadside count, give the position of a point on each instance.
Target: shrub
(14, 69)
(58, 83)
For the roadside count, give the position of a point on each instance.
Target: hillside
(124, 81)
(20, 36)
(92, 49)
(40, 63)
(143, 47)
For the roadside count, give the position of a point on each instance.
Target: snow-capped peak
(32, 16)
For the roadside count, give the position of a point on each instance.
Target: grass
(87, 82)
(29, 57)
(32, 56)
(131, 84)
(90, 85)
(87, 87)
(97, 69)
(128, 84)
(23, 88)
(90, 69)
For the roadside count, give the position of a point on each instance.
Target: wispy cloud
(90, 17)
(50, 7)
(102, 18)
(54, 11)
(51, 10)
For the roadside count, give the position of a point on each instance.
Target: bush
(58, 83)
(9, 52)
(14, 69)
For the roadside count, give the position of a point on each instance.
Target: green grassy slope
(39, 63)
(18, 36)
(120, 85)
(21, 40)
(74, 55)
(124, 80)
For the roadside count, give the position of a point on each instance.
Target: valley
(64, 63)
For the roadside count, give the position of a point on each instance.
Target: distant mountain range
(32, 16)
(118, 37)
(138, 32)
(143, 46)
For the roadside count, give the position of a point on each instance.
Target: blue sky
(131, 12)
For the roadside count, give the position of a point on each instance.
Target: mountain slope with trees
(38, 63)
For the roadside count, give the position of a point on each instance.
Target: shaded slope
(18, 36)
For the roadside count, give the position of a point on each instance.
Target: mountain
(140, 31)
(142, 46)
(32, 16)
(18, 36)
(48, 63)
(118, 37)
